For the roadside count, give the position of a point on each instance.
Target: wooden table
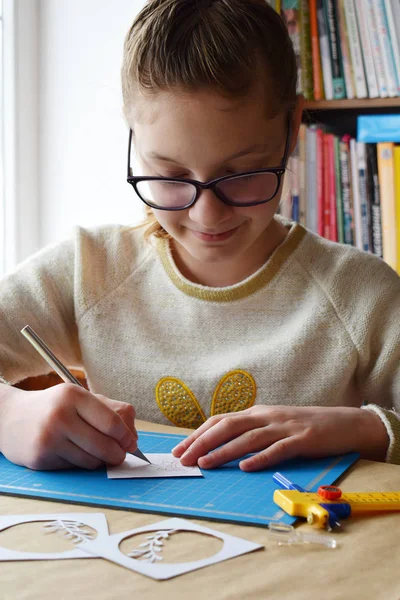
(365, 565)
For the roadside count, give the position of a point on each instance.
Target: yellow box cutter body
(329, 505)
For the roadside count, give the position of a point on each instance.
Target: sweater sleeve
(369, 305)
(39, 293)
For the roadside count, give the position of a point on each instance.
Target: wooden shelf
(352, 104)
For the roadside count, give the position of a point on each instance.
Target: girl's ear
(296, 121)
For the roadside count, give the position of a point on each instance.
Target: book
(302, 175)
(305, 50)
(320, 182)
(362, 187)
(386, 49)
(315, 52)
(332, 26)
(394, 40)
(311, 178)
(378, 128)
(366, 48)
(358, 237)
(347, 195)
(355, 49)
(375, 200)
(388, 208)
(345, 49)
(339, 195)
(324, 223)
(324, 51)
(377, 53)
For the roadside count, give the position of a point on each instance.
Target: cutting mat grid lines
(223, 494)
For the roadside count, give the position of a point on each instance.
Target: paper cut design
(72, 530)
(151, 549)
(107, 546)
(234, 392)
(96, 521)
(162, 465)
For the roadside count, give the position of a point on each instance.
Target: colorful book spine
(355, 49)
(396, 17)
(396, 155)
(325, 214)
(324, 51)
(356, 195)
(339, 196)
(305, 50)
(332, 25)
(345, 49)
(345, 177)
(385, 43)
(394, 40)
(362, 186)
(388, 208)
(320, 182)
(375, 200)
(377, 53)
(333, 228)
(366, 48)
(311, 179)
(302, 175)
(315, 52)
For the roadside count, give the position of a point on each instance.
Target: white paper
(162, 465)
(107, 546)
(96, 521)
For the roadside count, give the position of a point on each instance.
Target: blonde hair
(192, 44)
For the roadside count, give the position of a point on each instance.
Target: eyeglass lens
(240, 190)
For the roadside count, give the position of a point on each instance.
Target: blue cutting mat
(224, 494)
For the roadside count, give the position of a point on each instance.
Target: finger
(50, 463)
(124, 410)
(74, 456)
(102, 417)
(184, 444)
(224, 431)
(283, 449)
(250, 441)
(96, 444)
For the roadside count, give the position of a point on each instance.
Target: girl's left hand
(277, 433)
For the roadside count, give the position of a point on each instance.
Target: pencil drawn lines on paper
(150, 551)
(71, 530)
(162, 465)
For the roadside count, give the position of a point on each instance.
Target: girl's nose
(209, 211)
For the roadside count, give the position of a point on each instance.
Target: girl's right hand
(64, 426)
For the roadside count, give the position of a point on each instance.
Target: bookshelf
(341, 115)
(356, 104)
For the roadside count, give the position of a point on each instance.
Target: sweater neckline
(262, 277)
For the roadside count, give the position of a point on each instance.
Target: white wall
(82, 134)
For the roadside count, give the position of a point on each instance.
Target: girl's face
(202, 135)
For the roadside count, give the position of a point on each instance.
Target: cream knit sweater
(318, 324)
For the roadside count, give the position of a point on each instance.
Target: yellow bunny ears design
(235, 391)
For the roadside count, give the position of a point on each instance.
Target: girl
(216, 306)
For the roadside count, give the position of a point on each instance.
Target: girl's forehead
(181, 105)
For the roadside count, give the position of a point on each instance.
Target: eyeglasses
(241, 189)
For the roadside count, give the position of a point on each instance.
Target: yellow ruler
(329, 505)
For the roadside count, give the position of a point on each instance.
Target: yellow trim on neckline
(240, 290)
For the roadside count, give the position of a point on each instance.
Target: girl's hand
(277, 433)
(64, 426)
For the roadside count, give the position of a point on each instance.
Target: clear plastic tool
(286, 535)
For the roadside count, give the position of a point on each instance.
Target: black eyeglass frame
(212, 184)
